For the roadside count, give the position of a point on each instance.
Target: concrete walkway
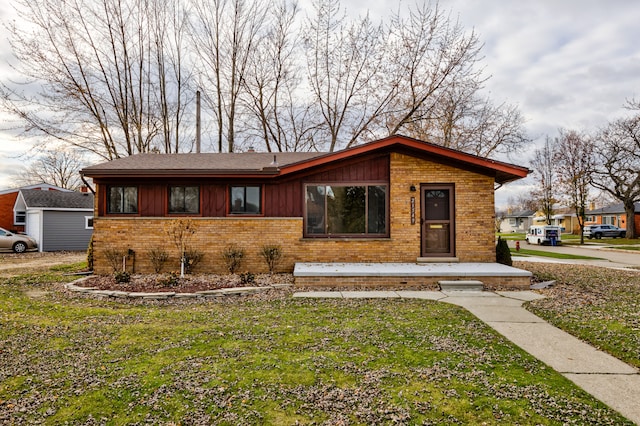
(610, 380)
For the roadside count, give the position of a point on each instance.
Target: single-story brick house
(393, 200)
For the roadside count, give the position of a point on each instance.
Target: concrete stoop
(461, 285)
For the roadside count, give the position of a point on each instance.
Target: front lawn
(599, 305)
(267, 359)
(551, 254)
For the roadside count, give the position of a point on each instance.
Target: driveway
(609, 257)
(12, 264)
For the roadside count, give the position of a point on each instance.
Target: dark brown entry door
(437, 220)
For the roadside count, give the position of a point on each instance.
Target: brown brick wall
(7, 201)
(475, 238)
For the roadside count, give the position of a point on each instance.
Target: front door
(437, 220)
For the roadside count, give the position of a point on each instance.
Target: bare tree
(59, 167)
(115, 77)
(102, 76)
(343, 61)
(523, 202)
(618, 163)
(280, 115)
(544, 168)
(574, 167)
(226, 32)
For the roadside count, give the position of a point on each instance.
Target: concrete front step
(460, 285)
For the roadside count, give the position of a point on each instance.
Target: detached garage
(57, 220)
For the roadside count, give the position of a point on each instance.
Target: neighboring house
(57, 220)
(517, 221)
(562, 217)
(393, 200)
(614, 215)
(13, 220)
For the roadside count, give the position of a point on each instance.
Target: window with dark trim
(245, 200)
(346, 210)
(122, 199)
(184, 199)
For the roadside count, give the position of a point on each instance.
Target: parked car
(599, 231)
(18, 243)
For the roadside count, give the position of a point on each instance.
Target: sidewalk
(610, 380)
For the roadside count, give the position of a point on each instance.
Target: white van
(544, 234)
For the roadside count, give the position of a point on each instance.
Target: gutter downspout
(87, 183)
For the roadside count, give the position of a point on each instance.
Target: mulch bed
(155, 283)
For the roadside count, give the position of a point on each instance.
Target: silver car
(599, 231)
(19, 243)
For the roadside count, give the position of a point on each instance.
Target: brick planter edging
(164, 295)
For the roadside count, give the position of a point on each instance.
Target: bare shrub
(233, 256)
(114, 257)
(272, 255)
(158, 258)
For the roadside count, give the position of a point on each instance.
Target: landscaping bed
(156, 283)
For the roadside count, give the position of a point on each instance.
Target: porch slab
(424, 275)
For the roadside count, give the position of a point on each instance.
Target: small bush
(233, 255)
(272, 255)
(122, 277)
(247, 278)
(90, 255)
(191, 259)
(169, 280)
(503, 254)
(158, 258)
(114, 257)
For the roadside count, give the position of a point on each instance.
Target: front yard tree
(58, 167)
(544, 169)
(618, 163)
(103, 76)
(344, 62)
(574, 166)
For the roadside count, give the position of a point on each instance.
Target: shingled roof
(283, 163)
(226, 163)
(34, 198)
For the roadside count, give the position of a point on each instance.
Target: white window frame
(88, 222)
(17, 213)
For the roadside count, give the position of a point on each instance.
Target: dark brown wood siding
(281, 197)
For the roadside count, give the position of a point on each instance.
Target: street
(609, 258)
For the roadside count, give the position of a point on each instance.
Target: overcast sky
(565, 63)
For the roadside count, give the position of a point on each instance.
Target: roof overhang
(501, 171)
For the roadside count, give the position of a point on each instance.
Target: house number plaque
(413, 210)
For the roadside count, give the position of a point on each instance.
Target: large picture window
(348, 210)
(184, 199)
(245, 200)
(122, 199)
